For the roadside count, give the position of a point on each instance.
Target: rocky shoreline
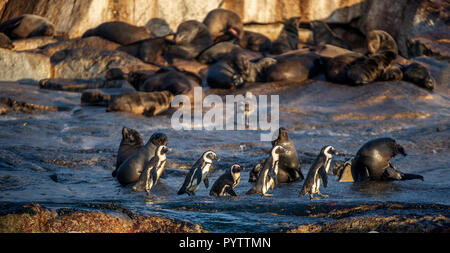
(112, 218)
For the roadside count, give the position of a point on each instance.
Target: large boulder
(16, 66)
(404, 19)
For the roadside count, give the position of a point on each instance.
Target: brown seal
(294, 68)
(5, 42)
(288, 39)
(27, 25)
(131, 142)
(119, 32)
(220, 22)
(191, 38)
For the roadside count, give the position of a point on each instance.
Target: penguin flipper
(206, 181)
(323, 175)
(230, 191)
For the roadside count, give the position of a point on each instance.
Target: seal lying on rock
(380, 41)
(191, 38)
(294, 68)
(130, 170)
(217, 52)
(131, 142)
(371, 68)
(221, 21)
(153, 50)
(419, 75)
(288, 38)
(27, 25)
(177, 82)
(119, 32)
(145, 103)
(255, 41)
(158, 27)
(236, 69)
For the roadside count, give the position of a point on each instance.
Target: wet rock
(385, 224)
(431, 44)
(33, 43)
(20, 66)
(89, 42)
(33, 218)
(88, 62)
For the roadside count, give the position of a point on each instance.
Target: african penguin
(317, 172)
(227, 182)
(198, 173)
(152, 170)
(267, 178)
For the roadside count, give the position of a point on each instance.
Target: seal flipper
(391, 173)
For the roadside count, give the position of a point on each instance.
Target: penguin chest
(236, 179)
(316, 185)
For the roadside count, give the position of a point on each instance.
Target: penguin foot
(323, 195)
(311, 197)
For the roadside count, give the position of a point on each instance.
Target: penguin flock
(144, 167)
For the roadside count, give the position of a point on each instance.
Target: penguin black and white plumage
(318, 172)
(227, 182)
(198, 173)
(152, 170)
(267, 178)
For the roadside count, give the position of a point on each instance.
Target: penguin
(227, 182)
(130, 170)
(198, 173)
(267, 178)
(152, 170)
(317, 172)
(372, 162)
(289, 163)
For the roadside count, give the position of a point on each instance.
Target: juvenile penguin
(130, 170)
(198, 173)
(131, 142)
(227, 182)
(152, 170)
(267, 178)
(372, 162)
(317, 172)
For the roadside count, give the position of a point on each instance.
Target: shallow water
(65, 158)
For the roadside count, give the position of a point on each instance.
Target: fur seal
(393, 73)
(158, 27)
(27, 25)
(130, 170)
(380, 41)
(131, 142)
(217, 52)
(323, 35)
(191, 38)
(255, 41)
(419, 75)
(370, 68)
(227, 182)
(5, 42)
(318, 172)
(220, 22)
(336, 68)
(294, 68)
(236, 69)
(288, 39)
(372, 162)
(119, 32)
(289, 162)
(153, 50)
(144, 103)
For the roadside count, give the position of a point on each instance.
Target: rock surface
(16, 66)
(33, 218)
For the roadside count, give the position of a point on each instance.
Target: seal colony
(219, 53)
